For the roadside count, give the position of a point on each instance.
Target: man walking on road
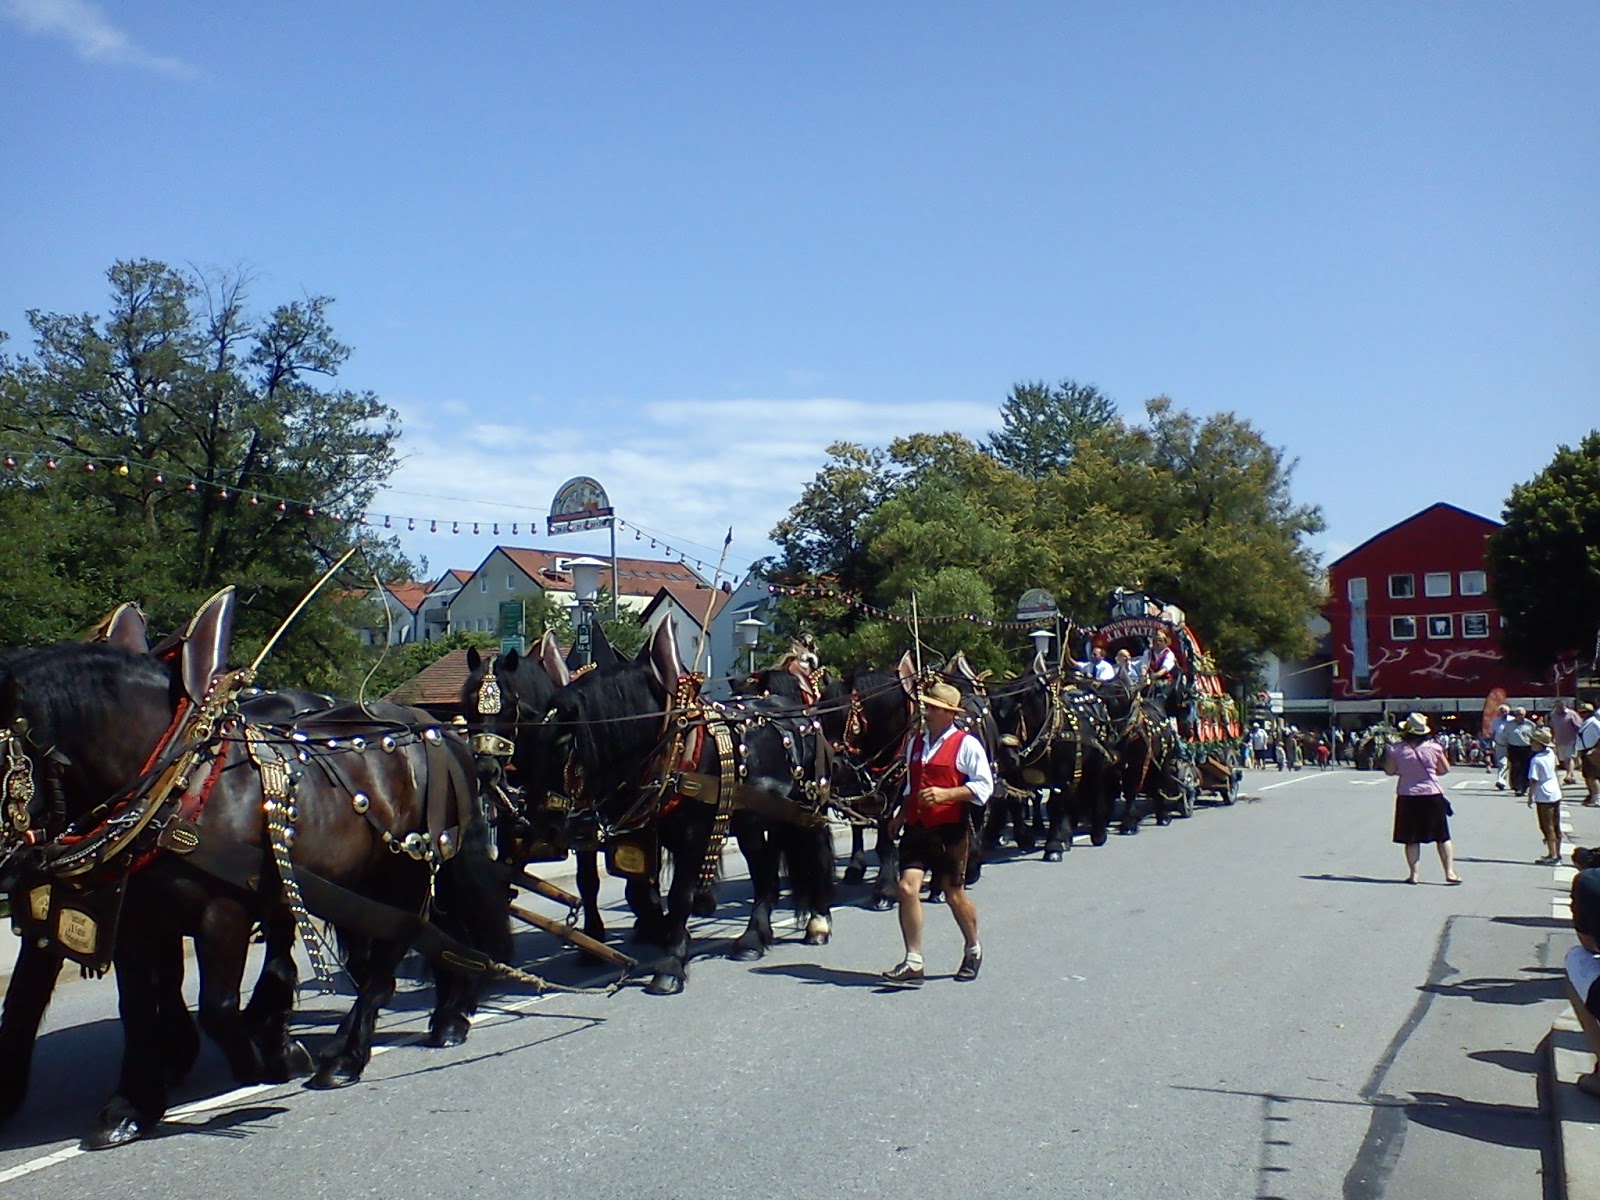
(948, 770)
(1587, 748)
(1519, 749)
(1497, 737)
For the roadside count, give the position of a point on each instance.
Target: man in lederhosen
(948, 774)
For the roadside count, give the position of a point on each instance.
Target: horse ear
(906, 669)
(474, 660)
(206, 642)
(511, 660)
(664, 663)
(124, 627)
(550, 659)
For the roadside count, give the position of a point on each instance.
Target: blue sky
(684, 247)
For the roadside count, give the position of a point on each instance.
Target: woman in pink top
(1421, 812)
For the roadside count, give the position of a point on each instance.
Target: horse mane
(603, 713)
(52, 686)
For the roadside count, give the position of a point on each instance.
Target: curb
(1575, 1114)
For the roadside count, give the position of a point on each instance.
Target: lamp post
(1041, 643)
(585, 587)
(749, 634)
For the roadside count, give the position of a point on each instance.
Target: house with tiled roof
(437, 687)
(412, 611)
(518, 573)
(690, 608)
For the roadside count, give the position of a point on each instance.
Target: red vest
(938, 771)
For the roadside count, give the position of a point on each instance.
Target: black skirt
(1421, 819)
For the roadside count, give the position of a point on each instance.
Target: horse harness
(75, 901)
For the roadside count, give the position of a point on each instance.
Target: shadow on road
(1348, 879)
(1498, 1124)
(815, 973)
(1523, 1062)
(1502, 991)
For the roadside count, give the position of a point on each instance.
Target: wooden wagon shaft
(545, 888)
(576, 936)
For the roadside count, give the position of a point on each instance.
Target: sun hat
(942, 695)
(1416, 724)
(1586, 707)
(1542, 735)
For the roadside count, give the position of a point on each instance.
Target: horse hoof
(333, 1074)
(882, 903)
(1052, 856)
(1129, 829)
(703, 905)
(817, 939)
(665, 985)
(1097, 839)
(448, 1031)
(297, 1060)
(114, 1134)
(745, 952)
(1163, 820)
(855, 875)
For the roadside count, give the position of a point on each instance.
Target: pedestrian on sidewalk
(1564, 725)
(1587, 748)
(1421, 812)
(1583, 963)
(1544, 795)
(1519, 749)
(948, 775)
(1497, 737)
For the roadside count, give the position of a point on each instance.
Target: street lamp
(1041, 644)
(749, 634)
(585, 586)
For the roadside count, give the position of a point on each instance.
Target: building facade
(1412, 626)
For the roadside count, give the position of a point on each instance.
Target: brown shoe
(903, 976)
(970, 965)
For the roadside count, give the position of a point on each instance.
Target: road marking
(1285, 782)
(1379, 782)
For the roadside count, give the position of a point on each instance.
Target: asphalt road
(1246, 1004)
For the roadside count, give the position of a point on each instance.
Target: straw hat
(1415, 724)
(942, 695)
(1541, 736)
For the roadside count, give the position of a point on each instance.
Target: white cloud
(684, 470)
(90, 32)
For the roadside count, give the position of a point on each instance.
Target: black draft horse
(1148, 752)
(1055, 738)
(880, 721)
(383, 822)
(604, 748)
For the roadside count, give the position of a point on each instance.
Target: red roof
(635, 576)
(410, 594)
(459, 574)
(435, 686)
(693, 598)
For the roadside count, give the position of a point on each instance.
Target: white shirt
(972, 760)
(1164, 666)
(1101, 670)
(1542, 785)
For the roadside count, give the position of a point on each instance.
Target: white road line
(1285, 782)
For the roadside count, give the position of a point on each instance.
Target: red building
(1413, 626)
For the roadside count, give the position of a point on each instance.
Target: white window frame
(1449, 631)
(1466, 630)
(1355, 589)
(1436, 584)
(483, 583)
(1479, 583)
(1394, 629)
(510, 582)
(1411, 585)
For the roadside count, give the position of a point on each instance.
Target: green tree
(1544, 562)
(1041, 426)
(181, 443)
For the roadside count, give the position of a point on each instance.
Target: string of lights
(43, 465)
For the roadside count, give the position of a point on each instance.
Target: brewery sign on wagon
(580, 503)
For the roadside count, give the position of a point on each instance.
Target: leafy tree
(1544, 562)
(1040, 425)
(820, 535)
(182, 443)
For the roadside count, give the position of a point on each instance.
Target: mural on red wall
(1411, 613)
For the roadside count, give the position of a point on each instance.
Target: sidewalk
(1576, 1115)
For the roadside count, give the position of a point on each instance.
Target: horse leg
(220, 950)
(1058, 839)
(140, 1101)
(644, 899)
(704, 901)
(1131, 773)
(467, 906)
(689, 851)
(760, 851)
(810, 854)
(266, 1017)
(1097, 785)
(371, 964)
(33, 980)
(589, 892)
(856, 871)
(994, 823)
(180, 1039)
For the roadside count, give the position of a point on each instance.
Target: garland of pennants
(14, 461)
(815, 592)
